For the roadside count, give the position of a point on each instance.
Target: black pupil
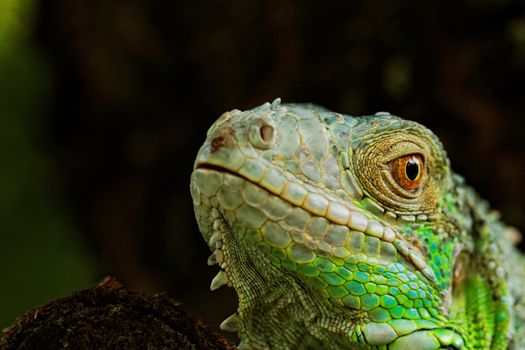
(412, 169)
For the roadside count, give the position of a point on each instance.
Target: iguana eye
(408, 171)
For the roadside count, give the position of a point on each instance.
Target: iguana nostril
(266, 132)
(261, 134)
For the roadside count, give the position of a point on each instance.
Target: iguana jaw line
(336, 211)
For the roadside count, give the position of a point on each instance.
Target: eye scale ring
(408, 171)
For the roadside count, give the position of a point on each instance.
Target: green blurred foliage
(40, 248)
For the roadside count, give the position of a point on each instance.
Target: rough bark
(108, 316)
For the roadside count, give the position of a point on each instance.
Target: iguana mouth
(321, 205)
(219, 169)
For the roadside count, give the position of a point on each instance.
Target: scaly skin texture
(327, 249)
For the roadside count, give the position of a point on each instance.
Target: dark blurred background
(103, 105)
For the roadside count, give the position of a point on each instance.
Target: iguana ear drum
(461, 266)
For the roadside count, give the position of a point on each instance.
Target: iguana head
(335, 231)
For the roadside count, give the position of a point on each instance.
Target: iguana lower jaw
(268, 296)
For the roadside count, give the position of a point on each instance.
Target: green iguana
(341, 232)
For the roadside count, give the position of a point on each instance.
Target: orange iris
(408, 171)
